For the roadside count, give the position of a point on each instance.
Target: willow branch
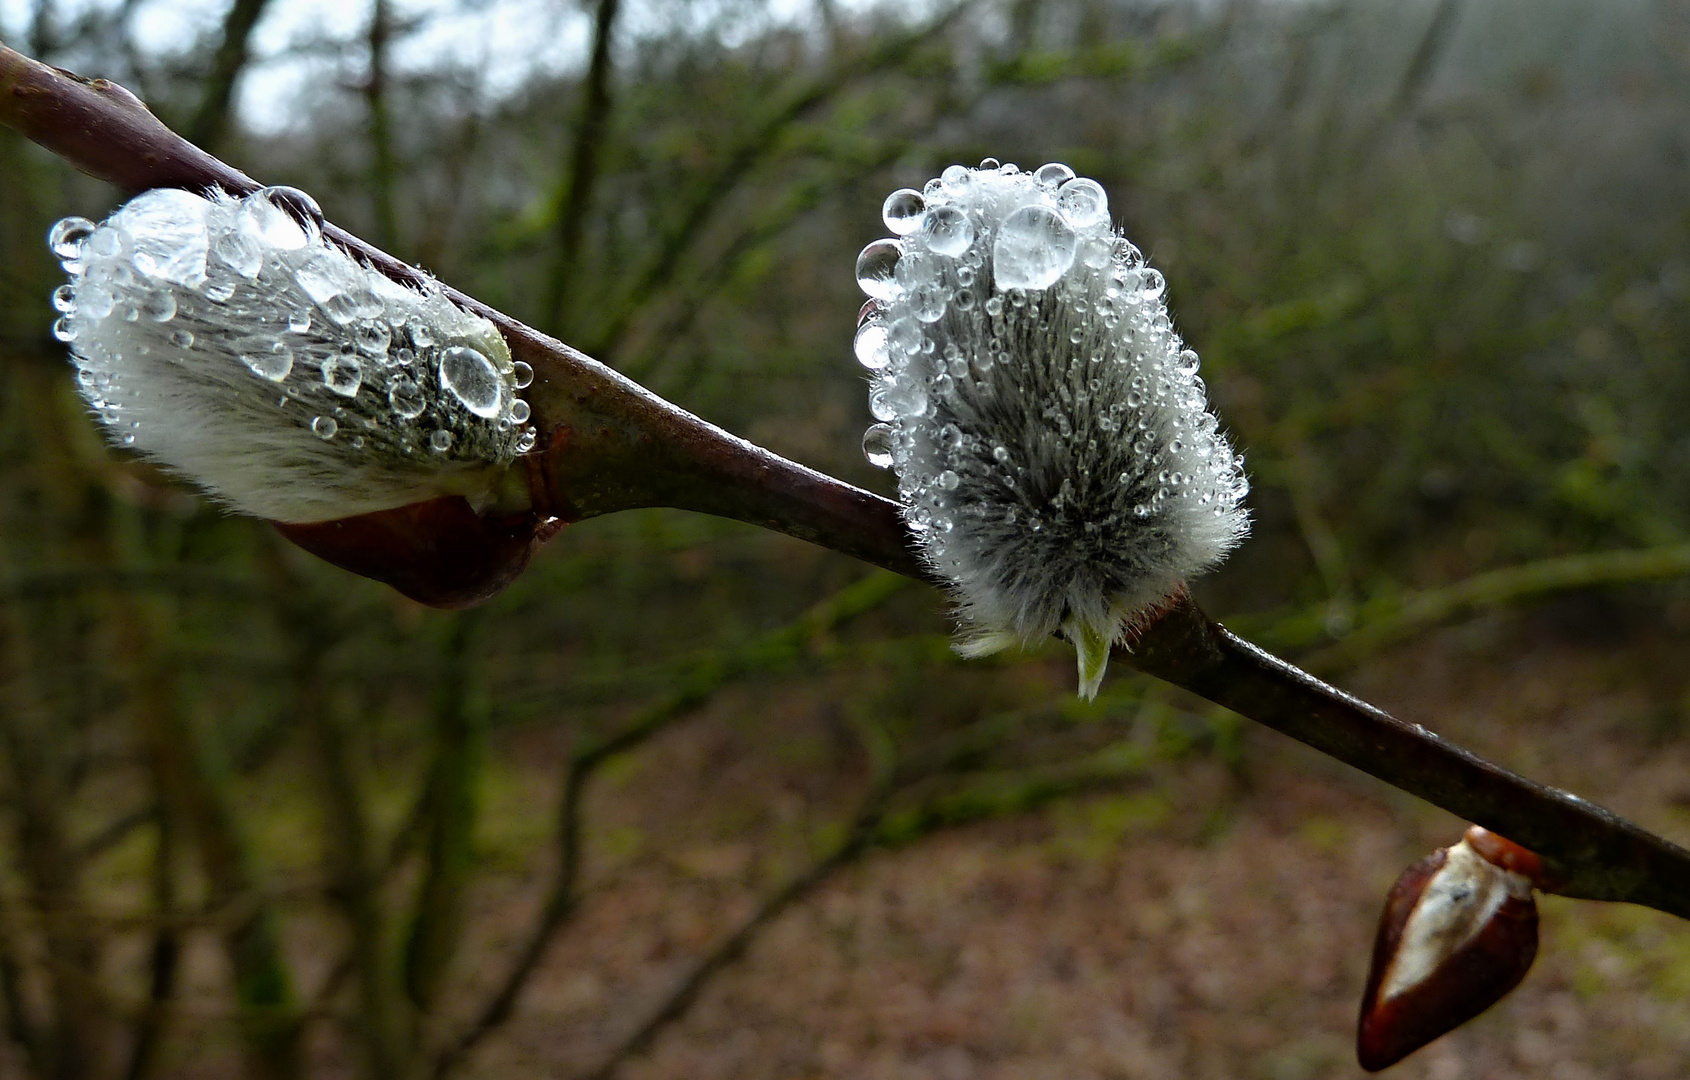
(609, 444)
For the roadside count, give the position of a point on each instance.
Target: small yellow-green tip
(1092, 648)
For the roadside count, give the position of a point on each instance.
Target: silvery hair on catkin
(228, 341)
(1054, 451)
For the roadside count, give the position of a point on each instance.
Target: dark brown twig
(612, 445)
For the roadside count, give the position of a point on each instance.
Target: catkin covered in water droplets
(227, 340)
(1054, 450)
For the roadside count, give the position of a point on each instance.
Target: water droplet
(166, 227)
(372, 337)
(876, 266)
(523, 374)
(182, 339)
(1152, 284)
(96, 303)
(64, 299)
(241, 250)
(1053, 175)
(357, 442)
(989, 163)
(878, 406)
(949, 480)
(343, 374)
(63, 329)
(955, 176)
(928, 302)
(519, 412)
(471, 378)
(877, 445)
(525, 442)
(220, 292)
(902, 211)
(871, 347)
(1034, 248)
(422, 335)
(948, 231)
(440, 441)
(66, 237)
(406, 398)
(1083, 202)
(274, 362)
(963, 300)
(324, 427)
(299, 321)
(994, 306)
(298, 205)
(325, 275)
(1188, 362)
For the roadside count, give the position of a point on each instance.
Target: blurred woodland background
(692, 800)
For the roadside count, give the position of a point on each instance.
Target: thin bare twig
(610, 445)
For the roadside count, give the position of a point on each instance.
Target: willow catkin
(1054, 450)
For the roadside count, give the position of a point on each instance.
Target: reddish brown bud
(1458, 932)
(441, 552)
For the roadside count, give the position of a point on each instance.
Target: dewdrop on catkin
(1055, 455)
(227, 340)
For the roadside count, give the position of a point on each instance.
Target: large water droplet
(947, 231)
(876, 266)
(1053, 175)
(902, 211)
(64, 329)
(372, 338)
(295, 203)
(928, 302)
(95, 302)
(523, 374)
(159, 305)
(877, 445)
(1083, 202)
(1034, 248)
(66, 237)
(406, 398)
(326, 275)
(519, 412)
(64, 299)
(240, 250)
(267, 225)
(343, 374)
(167, 231)
(324, 427)
(271, 360)
(870, 346)
(471, 378)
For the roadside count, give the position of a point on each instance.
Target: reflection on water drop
(902, 211)
(406, 398)
(1034, 248)
(876, 266)
(159, 305)
(877, 445)
(66, 236)
(273, 363)
(471, 378)
(343, 374)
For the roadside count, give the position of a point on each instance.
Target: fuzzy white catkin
(227, 340)
(1054, 450)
